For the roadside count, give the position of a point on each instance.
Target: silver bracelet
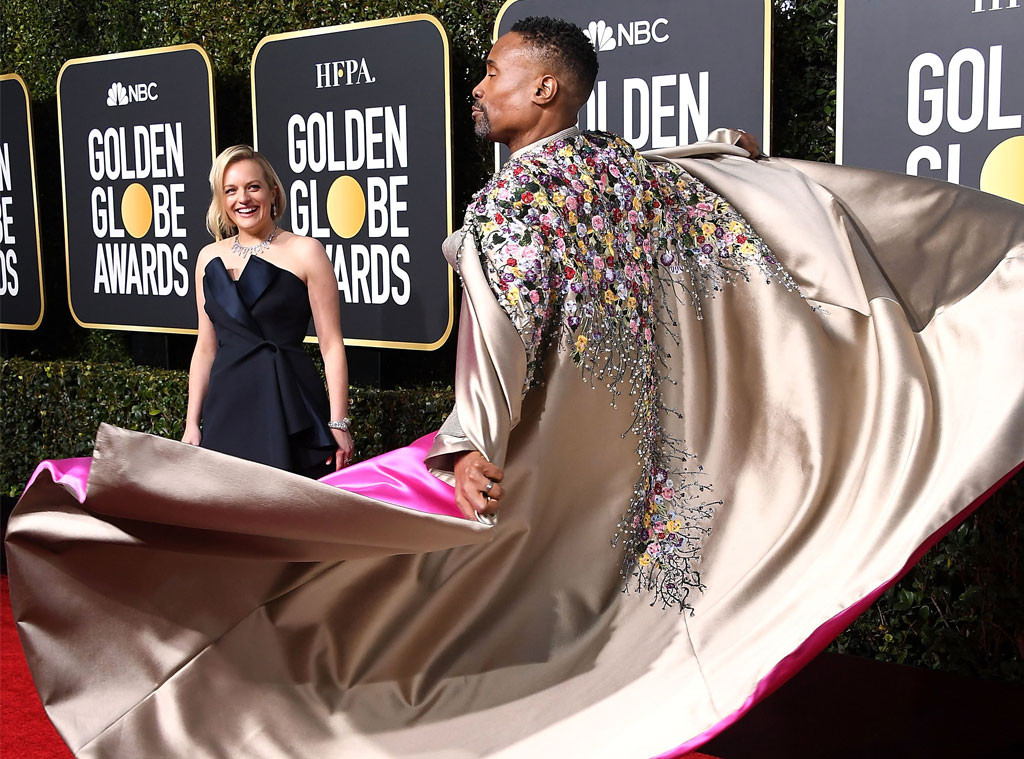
(342, 425)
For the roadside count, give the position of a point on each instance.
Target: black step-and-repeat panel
(355, 120)
(137, 141)
(21, 271)
(934, 88)
(670, 72)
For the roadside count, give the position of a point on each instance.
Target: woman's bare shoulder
(308, 252)
(209, 252)
(300, 244)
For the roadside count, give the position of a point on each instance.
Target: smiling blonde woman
(253, 392)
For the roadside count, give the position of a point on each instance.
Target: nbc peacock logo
(117, 94)
(604, 36)
(600, 35)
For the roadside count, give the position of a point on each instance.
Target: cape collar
(569, 132)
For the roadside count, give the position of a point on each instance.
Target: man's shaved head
(537, 78)
(563, 45)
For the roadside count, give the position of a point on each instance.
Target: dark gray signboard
(670, 72)
(355, 119)
(137, 142)
(21, 271)
(934, 88)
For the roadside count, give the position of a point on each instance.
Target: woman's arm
(323, 301)
(202, 359)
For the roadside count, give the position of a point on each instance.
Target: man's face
(503, 104)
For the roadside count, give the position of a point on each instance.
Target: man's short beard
(482, 125)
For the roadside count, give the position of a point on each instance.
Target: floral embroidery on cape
(584, 243)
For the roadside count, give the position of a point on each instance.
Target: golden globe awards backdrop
(355, 119)
(670, 72)
(21, 271)
(137, 142)
(934, 88)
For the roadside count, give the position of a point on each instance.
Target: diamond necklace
(253, 250)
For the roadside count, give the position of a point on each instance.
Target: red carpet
(25, 732)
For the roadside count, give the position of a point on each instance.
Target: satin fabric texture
(190, 604)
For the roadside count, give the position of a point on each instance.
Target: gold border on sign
(359, 342)
(497, 19)
(840, 78)
(766, 119)
(766, 128)
(35, 205)
(63, 175)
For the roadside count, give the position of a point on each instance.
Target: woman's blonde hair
(216, 220)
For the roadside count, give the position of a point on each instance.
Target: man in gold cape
(749, 415)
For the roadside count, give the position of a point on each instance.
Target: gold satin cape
(201, 606)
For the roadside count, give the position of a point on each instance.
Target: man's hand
(475, 476)
(749, 143)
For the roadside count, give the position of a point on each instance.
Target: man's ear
(545, 90)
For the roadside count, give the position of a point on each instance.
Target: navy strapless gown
(266, 401)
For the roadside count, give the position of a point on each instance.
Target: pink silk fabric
(73, 474)
(397, 477)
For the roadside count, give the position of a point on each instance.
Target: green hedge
(804, 79)
(961, 608)
(52, 410)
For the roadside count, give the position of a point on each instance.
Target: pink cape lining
(399, 477)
